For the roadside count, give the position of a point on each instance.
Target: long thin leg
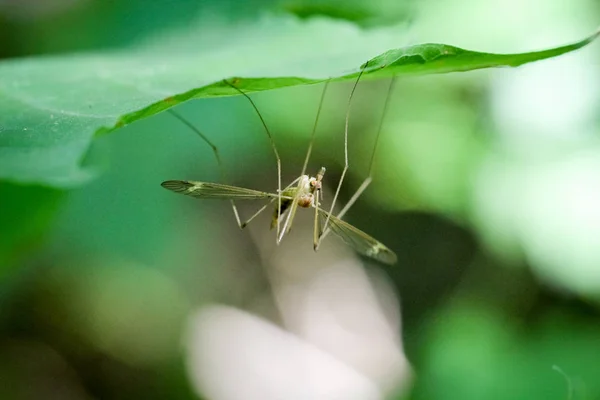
(314, 131)
(272, 142)
(290, 218)
(217, 156)
(337, 191)
(369, 178)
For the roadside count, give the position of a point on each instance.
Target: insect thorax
(303, 192)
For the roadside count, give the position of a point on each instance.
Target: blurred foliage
(40, 27)
(22, 229)
(367, 14)
(485, 185)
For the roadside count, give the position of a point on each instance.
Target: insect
(303, 192)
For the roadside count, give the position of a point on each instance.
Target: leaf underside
(53, 107)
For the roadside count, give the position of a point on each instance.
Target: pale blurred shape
(505, 26)
(560, 222)
(546, 104)
(340, 334)
(338, 310)
(327, 299)
(235, 355)
(537, 195)
(550, 214)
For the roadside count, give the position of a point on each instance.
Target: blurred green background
(486, 185)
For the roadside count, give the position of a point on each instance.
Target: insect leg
(369, 178)
(215, 150)
(272, 142)
(287, 226)
(337, 191)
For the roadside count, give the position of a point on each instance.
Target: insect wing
(360, 241)
(207, 190)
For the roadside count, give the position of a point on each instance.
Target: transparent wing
(206, 190)
(360, 241)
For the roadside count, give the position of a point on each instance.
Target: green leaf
(440, 58)
(52, 107)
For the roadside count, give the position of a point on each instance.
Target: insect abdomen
(285, 205)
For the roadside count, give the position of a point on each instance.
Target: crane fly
(305, 195)
(303, 192)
